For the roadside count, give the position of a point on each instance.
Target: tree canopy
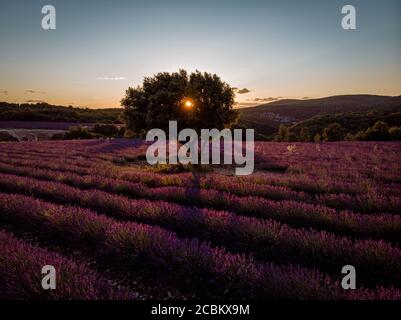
(197, 100)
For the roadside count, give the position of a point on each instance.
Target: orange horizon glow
(90, 100)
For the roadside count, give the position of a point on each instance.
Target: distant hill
(51, 113)
(266, 118)
(354, 112)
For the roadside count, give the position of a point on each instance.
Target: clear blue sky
(277, 48)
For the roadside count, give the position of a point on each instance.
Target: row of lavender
(75, 173)
(387, 200)
(302, 156)
(378, 262)
(378, 226)
(21, 278)
(210, 272)
(346, 173)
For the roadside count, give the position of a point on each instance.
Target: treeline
(53, 113)
(380, 131)
(98, 131)
(382, 124)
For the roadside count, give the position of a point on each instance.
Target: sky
(268, 49)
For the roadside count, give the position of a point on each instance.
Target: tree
(283, 133)
(78, 133)
(317, 138)
(360, 136)
(107, 130)
(379, 132)
(349, 137)
(304, 135)
(334, 132)
(395, 133)
(197, 101)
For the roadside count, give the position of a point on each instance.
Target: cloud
(111, 78)
(239, 105)
(29, 91)
(241, 91)
(269, 99)
(35, 101)
(4, 92)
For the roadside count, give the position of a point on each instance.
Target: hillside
(353, 112)
(52, 113)
(266, 118)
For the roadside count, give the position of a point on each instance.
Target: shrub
(106, 130)
(333, 132)
(304, 135)
(129, 134)
(379, 132)
(395, 133)
(349, 137)
(317, 138)
(360, 136)
(78, 133)
(283, 133)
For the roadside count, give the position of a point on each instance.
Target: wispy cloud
(30, 91)
(35, 101)
(269, 99)
(111, 78)
(4, 92)
(241, 91)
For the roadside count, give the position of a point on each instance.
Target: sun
(188, 103)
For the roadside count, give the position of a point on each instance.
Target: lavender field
(116, 228)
